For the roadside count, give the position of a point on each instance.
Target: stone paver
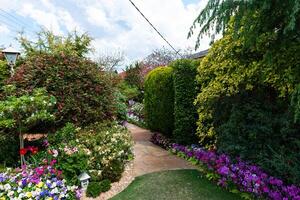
(151, 158)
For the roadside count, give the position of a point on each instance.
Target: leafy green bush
(4, 71)
(159, 100)
(185, 113)
(93, 189)
(129, 91)
(121, 106)
(84, 93)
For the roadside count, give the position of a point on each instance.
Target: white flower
(7, 187)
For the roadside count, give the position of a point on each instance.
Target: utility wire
(15, 20)
(177, 52)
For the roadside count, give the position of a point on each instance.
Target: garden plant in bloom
(234, 174)
(43, 182)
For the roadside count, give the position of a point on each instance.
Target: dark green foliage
(9, 150)
(256, 18)
(93, 189)
(260, 130)
(96, 188)
(84, 93)
(105, 185)
(159, 100)
(64, 135)
(185, 113)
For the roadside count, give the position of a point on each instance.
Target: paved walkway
(151, 158)
(147, 158)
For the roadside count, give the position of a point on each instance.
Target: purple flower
(223, 170)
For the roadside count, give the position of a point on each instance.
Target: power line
(19, 21)
(177, 52)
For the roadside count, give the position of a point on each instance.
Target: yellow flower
(2, 198)
(41, 184)
(49, 198)
(28, 194)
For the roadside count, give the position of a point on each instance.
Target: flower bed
(43, 182)
(235, 175)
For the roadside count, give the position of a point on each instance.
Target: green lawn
(174, 185)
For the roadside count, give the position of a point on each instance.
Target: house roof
(199, 54)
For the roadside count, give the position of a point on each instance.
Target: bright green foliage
(121, 106)
(73, 45)
(84, 93)
(4, 71)
(255, 18)
(159, 100)
(26, 111)
(244, 102)
(185, 113)
(129, 91)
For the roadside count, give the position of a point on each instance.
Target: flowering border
(236, 175)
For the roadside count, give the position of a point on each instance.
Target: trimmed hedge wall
(159, 100)
(185, 113)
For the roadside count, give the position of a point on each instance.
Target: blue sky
(114, 24)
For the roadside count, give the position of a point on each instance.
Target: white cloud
(4, 29)
(171, 17)
(115, 24)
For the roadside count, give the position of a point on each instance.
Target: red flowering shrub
(84, 93)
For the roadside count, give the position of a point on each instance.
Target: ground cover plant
(238, 176)
(174, 185)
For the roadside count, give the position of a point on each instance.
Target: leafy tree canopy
(74, 44)
(253, 18)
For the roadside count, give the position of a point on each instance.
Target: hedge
(159, 100)
(185, 113)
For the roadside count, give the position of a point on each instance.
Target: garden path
(150, 157)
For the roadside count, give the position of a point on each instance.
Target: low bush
(159, 100)
(185, 93)
(93, 189)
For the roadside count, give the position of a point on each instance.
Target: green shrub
(185, 113)
(105, 185)
(93, 189)
(159, 100)
(121, 106)
(84, 93)
(129, 91)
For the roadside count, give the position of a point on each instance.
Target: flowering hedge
(43, 182)
(235, 175)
